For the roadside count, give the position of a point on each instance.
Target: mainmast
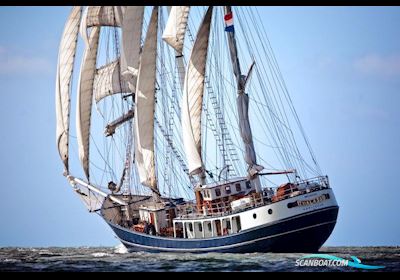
(242, 102)
(145, 108)
(131, 44)
(192, 101)
(174, 35)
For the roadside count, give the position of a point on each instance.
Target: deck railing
(190, 210)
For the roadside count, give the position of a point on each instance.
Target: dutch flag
(229, 23)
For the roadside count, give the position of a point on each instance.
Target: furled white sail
(66, 58)
(108, 81)
(145, 106)
(130, 50)
(193, 97)
(174, 33)
(85, 97)
(245, 132)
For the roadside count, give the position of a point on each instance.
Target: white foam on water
(101, 254)
(11, 261)
(120, 249)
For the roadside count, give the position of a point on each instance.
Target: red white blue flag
(229, 23)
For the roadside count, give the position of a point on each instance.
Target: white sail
(145, 106)
(65, 65)
(174, 33)
(108, 81)
(130, 50)
(179, 59)
(193, 97)
(85, 97)
(104, 16)
(100, 16)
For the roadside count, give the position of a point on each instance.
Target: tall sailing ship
(186, 137)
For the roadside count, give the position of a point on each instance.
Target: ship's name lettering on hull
(309, 201)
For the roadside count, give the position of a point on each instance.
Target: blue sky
(341, 66)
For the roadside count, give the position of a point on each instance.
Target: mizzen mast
(242, 102)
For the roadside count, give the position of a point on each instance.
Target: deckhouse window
(227, 189)
(248, 185)
(217, 192)
(236, 223)
(238, 187)
(190, 227)
(200, 227)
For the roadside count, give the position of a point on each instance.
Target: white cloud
(379, 65)
(19, 64)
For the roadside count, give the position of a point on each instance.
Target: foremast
(119, 76)
(65, 65)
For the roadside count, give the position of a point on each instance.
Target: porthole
(270, 211)
(254, 216)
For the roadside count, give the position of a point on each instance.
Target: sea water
(119, 259)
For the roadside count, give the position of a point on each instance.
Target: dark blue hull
(302, 233)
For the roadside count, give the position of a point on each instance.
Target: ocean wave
(119, 259)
